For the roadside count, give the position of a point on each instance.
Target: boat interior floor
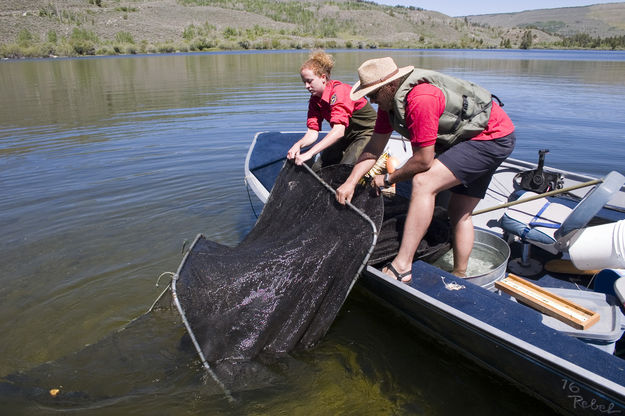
(556, 271)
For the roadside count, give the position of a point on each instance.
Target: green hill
(31, 28)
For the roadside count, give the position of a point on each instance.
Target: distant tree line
(585, 41)
(577, 41)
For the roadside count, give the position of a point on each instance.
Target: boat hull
(561, 384)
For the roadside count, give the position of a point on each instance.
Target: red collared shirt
(334, 106)
(425, 104)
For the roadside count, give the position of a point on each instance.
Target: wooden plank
(566, 266)
(548, 303)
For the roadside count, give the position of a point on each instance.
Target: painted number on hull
(581, 402)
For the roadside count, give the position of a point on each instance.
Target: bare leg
(460, 208)
(425, 186)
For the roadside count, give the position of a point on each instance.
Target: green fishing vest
(467, 107)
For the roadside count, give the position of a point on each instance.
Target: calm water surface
(108, 165)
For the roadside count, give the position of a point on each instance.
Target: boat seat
(551, 224)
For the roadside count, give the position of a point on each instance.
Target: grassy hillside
(600, 20)
(32, 28)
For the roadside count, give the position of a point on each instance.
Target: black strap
(498, 100)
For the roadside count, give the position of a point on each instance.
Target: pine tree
(526, 41)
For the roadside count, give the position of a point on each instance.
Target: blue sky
(464, 7)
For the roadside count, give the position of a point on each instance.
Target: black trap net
(281, 288)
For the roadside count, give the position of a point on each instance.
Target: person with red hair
(351, 121)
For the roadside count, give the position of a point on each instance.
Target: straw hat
(375, 73)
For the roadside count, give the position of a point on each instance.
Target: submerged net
(283, 285)
(135, 364)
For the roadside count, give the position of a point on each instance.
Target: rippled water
(108, 165)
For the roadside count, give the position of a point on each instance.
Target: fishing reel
(537, 180)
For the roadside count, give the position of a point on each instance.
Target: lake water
(109, 165)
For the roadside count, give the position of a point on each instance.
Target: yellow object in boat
(378, 168)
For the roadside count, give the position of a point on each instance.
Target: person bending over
(459, 137)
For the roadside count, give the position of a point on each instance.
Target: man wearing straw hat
(459, 137)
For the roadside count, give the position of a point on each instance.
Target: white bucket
(600, 247)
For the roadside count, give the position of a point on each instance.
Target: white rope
(163, 292)
(163, 274)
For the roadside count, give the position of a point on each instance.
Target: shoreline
(296, 50)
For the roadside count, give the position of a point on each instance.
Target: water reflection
(80, 91)
(108, 165)
(85, 91)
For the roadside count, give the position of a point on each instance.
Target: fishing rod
(534, 197)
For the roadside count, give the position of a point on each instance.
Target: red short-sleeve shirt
(425, 104)
(334, 106)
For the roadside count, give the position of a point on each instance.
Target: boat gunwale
(505, 338)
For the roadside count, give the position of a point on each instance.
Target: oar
(531, 198)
